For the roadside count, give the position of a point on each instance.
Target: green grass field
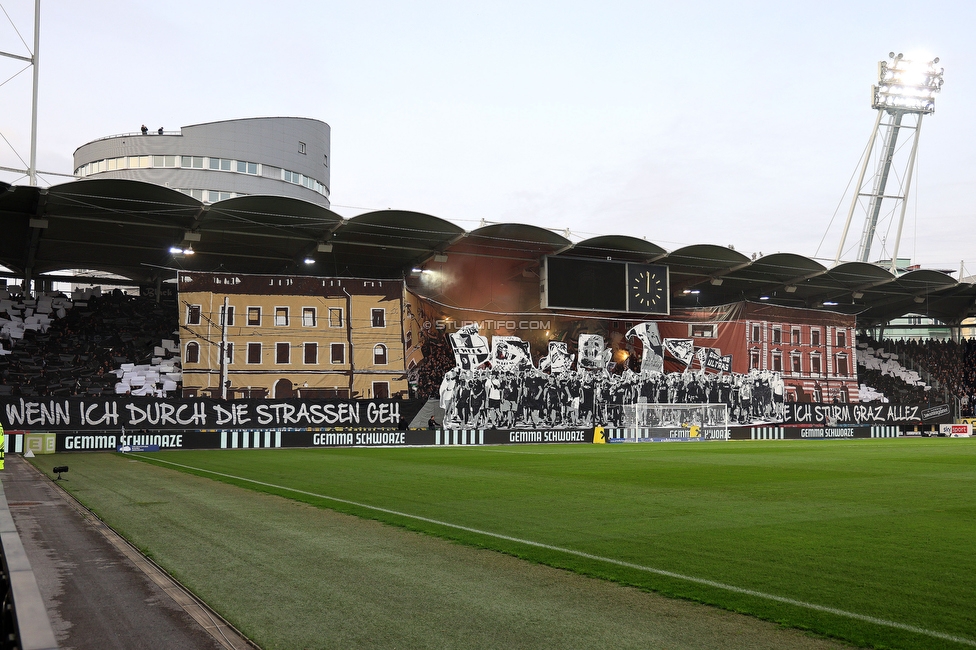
(869, 541)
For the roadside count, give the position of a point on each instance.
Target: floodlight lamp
(764, 297)
(919, 300)
(175, 250)
(857, 295)
(309, 260)
(790, 288)
(188, 250)
(324, 248)
(907, 86)
(829, 303)
(716, 282)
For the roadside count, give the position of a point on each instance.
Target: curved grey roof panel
(618, 247)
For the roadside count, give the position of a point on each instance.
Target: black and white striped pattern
(249, 439)
(459, 437)
(630, 434)
(767, 433)
(885, 431)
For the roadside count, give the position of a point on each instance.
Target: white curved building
(278, 156)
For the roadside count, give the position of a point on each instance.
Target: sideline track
(629, 565)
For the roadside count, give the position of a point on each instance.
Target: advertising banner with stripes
(283, 438)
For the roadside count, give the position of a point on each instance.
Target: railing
(24, 623)
(135, 133)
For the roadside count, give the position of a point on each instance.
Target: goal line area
(679, 422)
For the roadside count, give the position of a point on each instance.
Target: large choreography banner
(530, 369)
(877, 414)
(504, 389)
(137, 413)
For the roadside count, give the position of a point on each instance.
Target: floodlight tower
(905, 92)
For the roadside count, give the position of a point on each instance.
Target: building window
(795, 336)
(301, 147)
(326, 160)
(192, 162)
(193, 314)
(756, 332)
(282, 352)
(228, 353)
(227, 318)
(245, 167)
(699, 331)
(753, 359)
(165, 161)
(254, 353)
(192, 352)
(335, 317)
(378, 317)
(308, 317)
(311, 353)
(338, 353)
(379, 355)
(221, 164)
(253, 315)
(381, 389)
(842, 365)
(795, 362)
(409, 339)
(815, 364)
(777, 334)
(842, 338)
(815, 337)
(777, 361)
(281, 317)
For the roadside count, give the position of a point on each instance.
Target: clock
(647, 289)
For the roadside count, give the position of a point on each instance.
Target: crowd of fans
(77, 353)
(948, 367)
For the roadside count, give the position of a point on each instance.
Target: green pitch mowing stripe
(292, 575)
(883, 529)
(670, 574)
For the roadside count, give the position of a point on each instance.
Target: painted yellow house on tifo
(291, 336)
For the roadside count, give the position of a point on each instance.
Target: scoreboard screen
(586, 284)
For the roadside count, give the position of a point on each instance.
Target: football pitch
(869, 541)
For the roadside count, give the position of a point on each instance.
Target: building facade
(291, 336)
(278, 156)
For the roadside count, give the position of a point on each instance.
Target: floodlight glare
(310, 260)
(907, 86)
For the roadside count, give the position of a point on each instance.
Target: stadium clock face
(647, 288)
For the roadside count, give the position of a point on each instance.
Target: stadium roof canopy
(137, 230)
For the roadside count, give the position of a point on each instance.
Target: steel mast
(31, 170)
(905, 92)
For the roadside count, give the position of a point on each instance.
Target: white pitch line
(639, 567)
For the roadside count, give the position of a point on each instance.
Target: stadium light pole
(905, 89)
(32, 60)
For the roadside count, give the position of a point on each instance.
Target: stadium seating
(88, 344)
